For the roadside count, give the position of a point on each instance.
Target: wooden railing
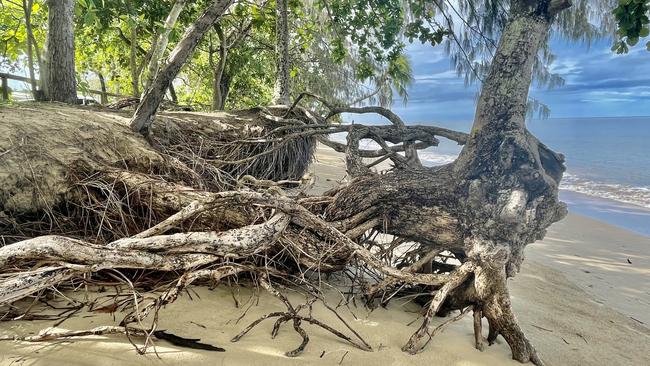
(4, 88)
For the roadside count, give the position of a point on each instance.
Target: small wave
(636, 195)
(619, 192)
(432, 159)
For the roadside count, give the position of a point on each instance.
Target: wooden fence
(4, 88)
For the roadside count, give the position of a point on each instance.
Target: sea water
(607, 159)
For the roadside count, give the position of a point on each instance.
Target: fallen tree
(467, 223)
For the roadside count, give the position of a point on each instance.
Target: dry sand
(577, 298)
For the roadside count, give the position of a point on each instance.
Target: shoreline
(627, 216)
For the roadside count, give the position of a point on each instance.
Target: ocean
(607, 159)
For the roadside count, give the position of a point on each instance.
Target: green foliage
(633, 24)
(346, 50)
(13, 34)
(349, 51)
(377, 29)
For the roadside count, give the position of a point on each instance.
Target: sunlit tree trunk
(217, 83)
(27, 8)
(160, 46)
(133, 62)
(281, 90)
(61, 84)
(153, 96)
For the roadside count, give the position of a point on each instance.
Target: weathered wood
(5, 76)
(500, 195)
(176, 252)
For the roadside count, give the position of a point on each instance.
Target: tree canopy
(349, 51)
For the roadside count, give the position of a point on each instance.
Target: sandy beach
(583, 298)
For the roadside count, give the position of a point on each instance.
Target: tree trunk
(144, 115)
(281, 90)
(217, 88)
(32, 40)
(160, 46)
(133, 63)
(499, 136)
(4, 88)
(61, 82)
(41, 66)
(27, 8)
(102, 83)
(225, 89)
(41, 69)
(172, 93)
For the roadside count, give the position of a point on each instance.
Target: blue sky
(599, 83)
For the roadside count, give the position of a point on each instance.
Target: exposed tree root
(53, 334)
(292, 314)
(491, 287)
(479, 340)
(456, 279)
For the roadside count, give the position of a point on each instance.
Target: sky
(599, 83)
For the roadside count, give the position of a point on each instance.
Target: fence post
(5, 89)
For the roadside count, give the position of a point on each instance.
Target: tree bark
(102, 83)
(502, 163)
(133, 62)
(27, 8)
(225, 89)
(217, 86)
(144, 115)
(160, 46)
(61, 84)
(281, 90)
(172, 93)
